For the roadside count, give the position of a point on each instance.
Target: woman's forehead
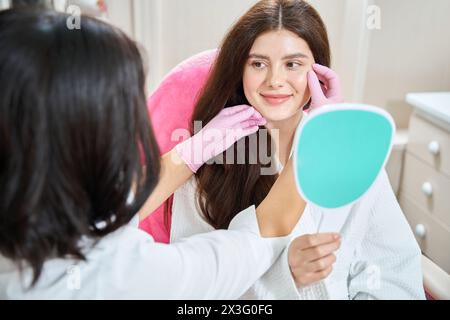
(280, 44)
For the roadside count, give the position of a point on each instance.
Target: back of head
(74, 134)
(42, 4)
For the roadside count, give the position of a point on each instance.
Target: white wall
(173, 30)
(410, 53)
(120, 12)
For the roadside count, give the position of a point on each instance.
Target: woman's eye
(293, 65)
(258, 65)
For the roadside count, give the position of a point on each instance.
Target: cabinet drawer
(429, 188)
(430, 144)
(433, 238)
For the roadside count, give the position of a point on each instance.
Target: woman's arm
(174, 172)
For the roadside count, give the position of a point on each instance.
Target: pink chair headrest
(172, 104)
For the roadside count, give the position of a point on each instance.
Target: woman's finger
(320, 275)
(243, 115)
(250, 130)
(321, 251)
(315, 87)
(321, 264)
(233, 110)
(323, 80)
(329, 78)
(251, 123)
(257, 114)
(313, 240)
(304, 243)
(254, 120)
(303, 278)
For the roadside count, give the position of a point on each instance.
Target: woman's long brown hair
(226, 189)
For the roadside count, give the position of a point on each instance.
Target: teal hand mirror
(339, 151)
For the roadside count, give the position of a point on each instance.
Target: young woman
(273, 59)
(74, 135)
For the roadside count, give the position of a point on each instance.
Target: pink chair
(170, 107)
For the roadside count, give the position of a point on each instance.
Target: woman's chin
(279, 115)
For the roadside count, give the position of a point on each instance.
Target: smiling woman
(264, 62)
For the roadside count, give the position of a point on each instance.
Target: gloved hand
(330, 92)
(229, 126)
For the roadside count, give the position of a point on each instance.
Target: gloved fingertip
(258, 115)
(254, 129)
(237, 109)
(317, 65)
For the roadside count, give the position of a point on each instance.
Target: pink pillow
(170, 107)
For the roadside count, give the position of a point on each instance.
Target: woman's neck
(286, 131)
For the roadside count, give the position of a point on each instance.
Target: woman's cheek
(300, 84)
(252, 83)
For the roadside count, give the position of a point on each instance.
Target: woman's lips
(276, 99)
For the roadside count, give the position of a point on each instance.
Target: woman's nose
(275, 78)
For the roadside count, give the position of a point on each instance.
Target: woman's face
(275, 75)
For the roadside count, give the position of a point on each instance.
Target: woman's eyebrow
(291, 56)
(296, 55)
(258, 56)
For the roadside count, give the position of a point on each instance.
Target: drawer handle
(420, 231)
(434, 148)
(427, 189)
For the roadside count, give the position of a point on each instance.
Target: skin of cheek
(300, 84)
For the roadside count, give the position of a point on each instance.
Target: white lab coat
(378, 259)
(128, 264)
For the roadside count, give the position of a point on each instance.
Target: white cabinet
(425, 186)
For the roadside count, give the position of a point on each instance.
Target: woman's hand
(330, 92)
(311, 257)
(229, 126)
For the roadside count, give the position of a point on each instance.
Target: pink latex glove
(225, 129)
(330, 92)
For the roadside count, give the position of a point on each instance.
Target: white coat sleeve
(387, 263)
(215, 265)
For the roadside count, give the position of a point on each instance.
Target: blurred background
(394, 54)
(409, 52)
